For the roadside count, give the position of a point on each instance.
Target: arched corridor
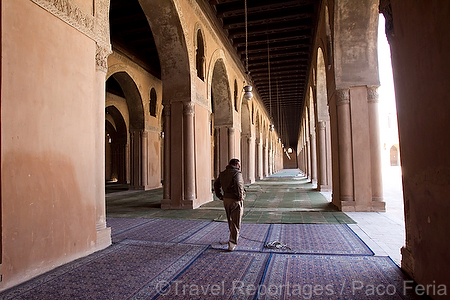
(156, 96)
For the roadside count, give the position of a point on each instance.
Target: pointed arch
(323, 129)
(170, 40)
(221, 95)
(200, 54)
(153, 101)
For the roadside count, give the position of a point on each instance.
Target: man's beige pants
(234, 210)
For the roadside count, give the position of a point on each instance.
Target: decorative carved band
(372, 94)
(188, 108)
(94, 27)
(342, 97)
(70, 13)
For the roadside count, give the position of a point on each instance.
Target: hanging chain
(270, 85)
(246, 37)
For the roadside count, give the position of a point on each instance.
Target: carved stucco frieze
(70, 13)
(101, 25)
(95, 27)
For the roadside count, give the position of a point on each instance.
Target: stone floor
(384, 232)
(285, 197)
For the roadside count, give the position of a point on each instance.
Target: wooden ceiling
(280, 34)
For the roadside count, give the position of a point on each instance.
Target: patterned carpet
(159, 230)
(179, 254)
(318, 239)
(185, 259)
(334, 277)
(115, 273)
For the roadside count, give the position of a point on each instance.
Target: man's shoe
(231, 247)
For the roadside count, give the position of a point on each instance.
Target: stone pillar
(165, 203)
(345, 148)
(246, 159)
(308, 159)
(313, 157)
(216, 152)
(258, 162)
(231, 143)
(127, 163)
(265, 160)
(103, 233)
(251, 158)
(375, 150)
(189, 155)
(144, 154)
(270, 156)
(136, 161)
(322, 161)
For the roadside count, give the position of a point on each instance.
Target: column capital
(322, 125)
(188, 108)
(167, 110)
(342, 97)
(372, 94)
(101, 57)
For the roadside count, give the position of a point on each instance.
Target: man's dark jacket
(231, 182)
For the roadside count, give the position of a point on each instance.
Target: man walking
(230, 181)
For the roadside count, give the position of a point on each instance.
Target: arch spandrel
(217, 54)
(221, 95)
(321, 88)
(246, 120)
(172, 45)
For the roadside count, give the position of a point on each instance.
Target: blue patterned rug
(334, 277)
(162, 230)
(118, 272)
(119, 225)
(183, 259)
(217, 234)
(337, 239)
(217, 275)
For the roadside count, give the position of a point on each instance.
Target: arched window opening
(394, 156)
(200, 56)
(153, 99)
